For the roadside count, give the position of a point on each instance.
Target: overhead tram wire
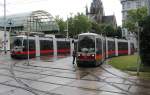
(25, 2)
(11, 5)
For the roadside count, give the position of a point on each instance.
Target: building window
(123, 6)
(138, 4)
(128, 5)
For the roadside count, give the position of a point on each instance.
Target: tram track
(123, 78)
(69, 85)
(136, 84)
(26, 86)
(120, 77)
(60, 85)
(19, 81)
(98, 79)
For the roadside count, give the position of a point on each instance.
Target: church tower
(96, 11)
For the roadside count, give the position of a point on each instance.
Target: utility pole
(28, 42)
(138, 49)
(5, 49)
(67, 28)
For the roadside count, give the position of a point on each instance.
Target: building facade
(97, 14)
(97, 11)
(131, 4)
(35, 21)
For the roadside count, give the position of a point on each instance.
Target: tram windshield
(17, 42)
(86, 44)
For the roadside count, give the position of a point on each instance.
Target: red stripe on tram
(111, 52)
(122, 51)
(63, 50)
(43, 51)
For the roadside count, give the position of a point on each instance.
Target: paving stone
(87, 84)
(73, 91)
(17, 92)
(56, 80)
(27, 69)
(122, 86)
(43, 86)
(4, 72)
(109, 93)
(114, 80)
(15, 83)
(4, 89)
(137, 89)
(5, 79)
(68, 75)
(89, 77)
(111, 88)
(50, 72)
(31, 76)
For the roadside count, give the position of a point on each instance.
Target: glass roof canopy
(36, 21)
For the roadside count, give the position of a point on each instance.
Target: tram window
(17, 42)
(86, 44)
(31, 44)
(111, 45)
(98, 46)
(122, 45)
(46, 44)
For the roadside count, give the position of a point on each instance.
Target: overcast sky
(60, 7)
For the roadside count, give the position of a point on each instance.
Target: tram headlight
(92, 55)
(79, 54)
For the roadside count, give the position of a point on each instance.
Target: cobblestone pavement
(60, 77)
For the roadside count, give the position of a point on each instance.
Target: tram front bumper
(86, 63)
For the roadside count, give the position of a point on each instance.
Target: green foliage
(119, 32)
(110, 31)
(96, 28)
(145, 41)
(124, 62)
(107, 30)
(62, 25)
(104, 29)
(133, 17)
(79, 24)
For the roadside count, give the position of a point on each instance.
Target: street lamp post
(67, 29)
(28, 42)
(138, 50)
(5, 49)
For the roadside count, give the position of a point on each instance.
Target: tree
(134, 16)
(145, 42)
(78, 24)
(62, 25)
(96, 28)
(106, 30)
(119, 32)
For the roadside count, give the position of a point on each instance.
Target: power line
(24, 2)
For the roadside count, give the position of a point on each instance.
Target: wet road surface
(60, 77)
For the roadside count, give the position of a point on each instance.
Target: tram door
(98, 50)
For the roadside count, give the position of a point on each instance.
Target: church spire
(86, 7)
